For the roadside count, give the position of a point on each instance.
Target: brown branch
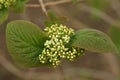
(51, 3)
(58, 2)
(43, 7)
(33, 5)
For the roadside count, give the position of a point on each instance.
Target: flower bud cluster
(55, 49)
(6, 3)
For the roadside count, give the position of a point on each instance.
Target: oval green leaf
(3, 15)
(93, 40)
(25, 41)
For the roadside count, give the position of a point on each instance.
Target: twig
(43, 7)
(59, 2)
(51, 3)
(33, 5)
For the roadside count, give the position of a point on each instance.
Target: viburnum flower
(55, 48)
(6, 3)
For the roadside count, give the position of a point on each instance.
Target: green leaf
(115, 35)
(19, 6)
(25, 41)
(93, 40)
(3, 15)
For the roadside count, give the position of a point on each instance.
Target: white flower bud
(55, 47)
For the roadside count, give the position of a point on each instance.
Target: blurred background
(97, 14)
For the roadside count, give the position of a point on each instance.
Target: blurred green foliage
(100, 5)
(74, 1)
(53, 19)
(3, 15)
(115, 34)
(17, 6)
